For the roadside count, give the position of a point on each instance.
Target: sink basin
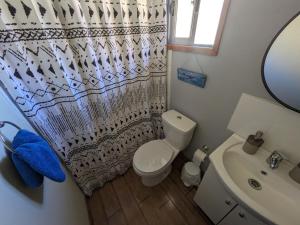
(271, 194)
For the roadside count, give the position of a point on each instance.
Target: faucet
(274, 159)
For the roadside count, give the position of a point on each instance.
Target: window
(196, 25)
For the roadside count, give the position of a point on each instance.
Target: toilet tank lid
(178, 120)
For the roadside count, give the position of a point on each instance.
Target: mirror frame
(264, 61)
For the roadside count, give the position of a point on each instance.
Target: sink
(271, 194)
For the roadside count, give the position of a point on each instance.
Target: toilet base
(151, 181)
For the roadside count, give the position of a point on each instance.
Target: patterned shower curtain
(90, 75)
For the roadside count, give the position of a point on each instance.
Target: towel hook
(2, 124)
(5, 142)
(3, 138)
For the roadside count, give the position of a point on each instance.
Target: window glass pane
(184, 18)
(208, 21)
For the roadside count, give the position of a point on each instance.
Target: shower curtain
(90, 75)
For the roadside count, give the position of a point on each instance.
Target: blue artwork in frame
(194, 78)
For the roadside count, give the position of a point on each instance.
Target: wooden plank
(221, 26)
(160, 196)
(150, 210)
(96, 208)
(192, 48)
(91, 221)
(182, 203)
(169, 215)
(151, 206)
(109, 200)
(191, 195)
(176, 178)
(140, 191)
(117, 219)
(128, 203)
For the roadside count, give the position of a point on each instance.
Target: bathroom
(120, 63)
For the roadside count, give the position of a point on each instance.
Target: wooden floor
(125, 201)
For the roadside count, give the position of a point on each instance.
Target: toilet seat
(152, 157)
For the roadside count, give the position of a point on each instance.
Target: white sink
(278, 201)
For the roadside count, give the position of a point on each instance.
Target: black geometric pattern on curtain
(90, 75)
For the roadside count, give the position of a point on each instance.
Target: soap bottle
(253, 143)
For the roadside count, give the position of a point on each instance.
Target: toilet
(153, 160)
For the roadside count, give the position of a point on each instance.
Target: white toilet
(152, 161)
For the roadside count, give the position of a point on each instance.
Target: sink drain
(254, 184)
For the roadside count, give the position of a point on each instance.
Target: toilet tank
(178, 129)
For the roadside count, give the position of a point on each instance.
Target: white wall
(281, 126)
(250, 27)
(53, 204)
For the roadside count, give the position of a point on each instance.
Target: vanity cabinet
(212, 197)
(239, 216)
(218, 204)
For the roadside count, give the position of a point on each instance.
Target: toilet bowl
(153, 160)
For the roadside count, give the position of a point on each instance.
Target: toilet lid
(152, 156)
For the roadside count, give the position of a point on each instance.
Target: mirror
(281, 65)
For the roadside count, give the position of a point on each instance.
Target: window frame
(187, 44)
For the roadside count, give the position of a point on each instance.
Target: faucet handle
(282, 155)
(278, 154)
(274, 155)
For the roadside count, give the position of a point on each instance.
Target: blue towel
(34, 158)
(30, 177)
